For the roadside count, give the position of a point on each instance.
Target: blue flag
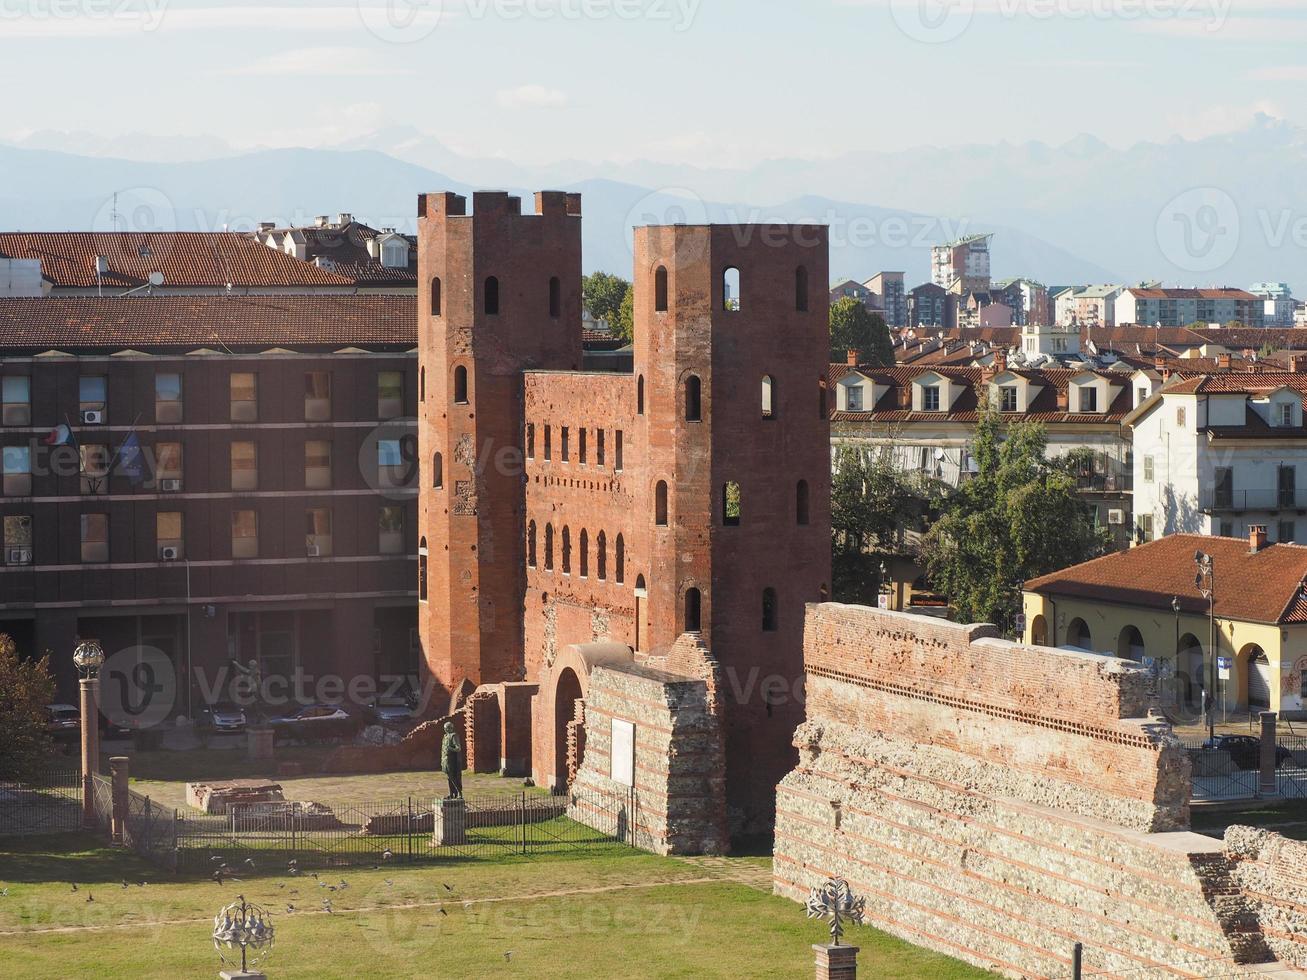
(130, 461)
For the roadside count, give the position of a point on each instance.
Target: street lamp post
(88, 658)
(1205, 580)
(1175, 650)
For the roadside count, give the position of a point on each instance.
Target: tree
(873, 505)
(854, 327)
(603, 295)
(624, 324)
(1016, 519)
(25, 689)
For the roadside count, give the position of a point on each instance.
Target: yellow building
(1144, 605)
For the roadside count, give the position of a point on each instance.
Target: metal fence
(256, 837)
(1220, 774)
(52, 804)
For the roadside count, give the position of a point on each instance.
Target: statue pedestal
(836, 962)
(241, 975)
(449, 823)
(260, 743)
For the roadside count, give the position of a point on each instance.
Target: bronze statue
(451, 761)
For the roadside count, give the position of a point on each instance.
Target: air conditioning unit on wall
(1116, 517)
(314, 551)
(168, 554)
(92, 417)
(20, 556)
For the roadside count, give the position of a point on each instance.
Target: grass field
(163, 775)
(626, 915)
(1286, 817)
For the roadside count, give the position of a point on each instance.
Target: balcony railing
(1105, 483)
(1254, 500)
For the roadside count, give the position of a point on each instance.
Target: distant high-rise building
(963, 266)
(893, 300)
(1278, 303)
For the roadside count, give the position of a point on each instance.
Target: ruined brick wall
(481, 714)
(679, 767)
(1271, 872)
(1000, 803)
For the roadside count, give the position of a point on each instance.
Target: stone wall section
(680, 788)
(999, 803)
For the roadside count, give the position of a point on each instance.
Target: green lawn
(619, 915)
(163, 775)
(1286, 817)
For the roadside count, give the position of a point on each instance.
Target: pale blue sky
(719, 82)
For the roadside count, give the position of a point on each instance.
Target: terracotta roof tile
(1266, 587)
(74, 322)
(186, 259)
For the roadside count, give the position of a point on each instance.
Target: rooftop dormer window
(930, 398)
(1088, 399)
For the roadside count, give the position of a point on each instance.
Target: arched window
(435, 296)
(639, 395)
(567, 550)
(601, 556)
(660, 503)
(769, 609)
(422, 385)
(731, 289)
(801, 289)
(492, 296)
(768, 397)
(692, 602)
(531, 544)
(549, 547)
(437, 471)
(801, 502)
(422, 570)
(731, 504)
(585, 554)
(660, 290)
(555, 297)
(692, 403)
(460, 385)
(1078, 635)
(619, 560)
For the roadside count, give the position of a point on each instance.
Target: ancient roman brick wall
(1272, 872)
(591, 597)
(680, 780)
(1000, 803)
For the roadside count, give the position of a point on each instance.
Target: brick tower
(731, 353)
(499, 293)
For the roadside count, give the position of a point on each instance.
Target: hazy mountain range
(1226, 210)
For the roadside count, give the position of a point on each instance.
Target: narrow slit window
(660, 503)
(801, 289)
(731, 504)
(601, 556)
(801, 502)
(435, 296)
(437, 471)
(731, 289)
(460, 385)
(692, 603)
(692, 399)
(492, 296)
(555, 297)
(768, 397)
(660, 290)
(769, 610)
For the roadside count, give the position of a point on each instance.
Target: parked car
(224, 717)
(1246, 751)
(393, 712)
(63, 722)
(314, 722)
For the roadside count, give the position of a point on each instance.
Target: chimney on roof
(1256, 538)
(1000, 359)
(344, 218)
(1298, 363)
(1223, 362)
(266, 226)
(853, 355)
(322, 220)
(1159, 362)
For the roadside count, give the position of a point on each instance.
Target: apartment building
(1181, 307)
(962, 266)
(925, 417)
(216, 477)
(1278, 304)
(891, 297)
(1091, 306)
(1218, 453)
